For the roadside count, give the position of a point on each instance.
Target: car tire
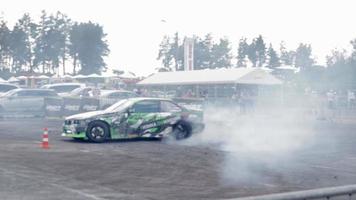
(182, 130)
(97, 131)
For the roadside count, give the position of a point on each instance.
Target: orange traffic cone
(45, 144)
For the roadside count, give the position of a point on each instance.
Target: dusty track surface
(141, 169)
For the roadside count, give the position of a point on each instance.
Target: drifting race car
(134, 118)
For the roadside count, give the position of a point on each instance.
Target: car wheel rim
(97, 132)
(181, 132)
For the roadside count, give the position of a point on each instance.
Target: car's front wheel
(182, 130)
(97, 131)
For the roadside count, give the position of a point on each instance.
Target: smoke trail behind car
(255, 141)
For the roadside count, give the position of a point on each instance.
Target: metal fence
(333, 193)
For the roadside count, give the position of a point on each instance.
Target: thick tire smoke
(254, 141)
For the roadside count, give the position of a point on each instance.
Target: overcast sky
(135, 27)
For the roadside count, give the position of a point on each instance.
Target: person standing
(351, 99)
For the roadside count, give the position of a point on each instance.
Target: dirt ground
(152, 169)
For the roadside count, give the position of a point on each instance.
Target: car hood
(87, 115)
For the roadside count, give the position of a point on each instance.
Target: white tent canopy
(288, 67)
(21, 77)
(94, 76)
(259, 77)
(42, 77)
(79, 76)
(66, 76)
(13, 79)
(219, 76)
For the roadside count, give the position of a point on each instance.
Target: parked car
(82, 92)
(63, 89)
(5, 87)
(109, 97)
(135, 118)
(29, 101)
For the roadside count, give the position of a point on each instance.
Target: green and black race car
(134, 118)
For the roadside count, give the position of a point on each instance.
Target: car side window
(15, 94)
(5, 88)
(43, 93)
(146, 107)
(64, 88)
(132, 95)
(126, 95)
(114, 95)
(120, 95)
(167, 106)
(22, 94)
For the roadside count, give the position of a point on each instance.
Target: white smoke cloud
(256, 141)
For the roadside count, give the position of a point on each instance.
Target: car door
(143, 118)
(170, 113)
(35, 100)
(10, 103)
(25, 100)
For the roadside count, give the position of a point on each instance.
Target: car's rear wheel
(182, 130)
(97, 131)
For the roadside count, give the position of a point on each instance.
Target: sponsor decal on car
(53, 108)
(72, 107)
(90, 107)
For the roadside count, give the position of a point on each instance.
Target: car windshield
(9, 93)
(64, 88)
(79, 91)
(119, 106)
(6, 88)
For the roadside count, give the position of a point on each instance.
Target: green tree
(60, 39)
(287, 57)
(165, 52)
(4, 45)
(41, 50)
(22, 38)
(19, 49)
(30, 28)
(252, 54)
(339, 71)
(221, 54)
(303, 56)
(353, 54)
(202, 51)
(89, 47)
(257, 52)
(242, 52)
(171, 53)
(336, 58)
(177, 52)
(260, 48)
(272, 58)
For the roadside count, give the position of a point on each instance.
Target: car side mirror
(131, 110)
(126, 115)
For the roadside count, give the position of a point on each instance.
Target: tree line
(339, 72)
(51, 43)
